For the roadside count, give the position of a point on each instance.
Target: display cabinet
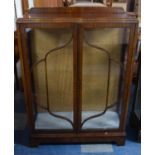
(77, 71)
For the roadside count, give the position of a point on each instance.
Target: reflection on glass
(51, 55)
(102, 71)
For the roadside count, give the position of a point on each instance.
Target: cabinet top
(78, 15)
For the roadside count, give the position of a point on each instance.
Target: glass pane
(104, 55)
(51, 63)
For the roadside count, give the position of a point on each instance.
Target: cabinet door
(51, 70)
(103, 68)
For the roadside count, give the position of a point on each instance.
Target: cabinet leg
(33, 143)
(120, 141)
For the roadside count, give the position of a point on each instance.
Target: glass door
(51, 69)
(104, 65)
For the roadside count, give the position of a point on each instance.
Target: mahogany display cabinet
(77, 71)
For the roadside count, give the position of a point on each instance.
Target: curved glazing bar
(55, 115)
(47, 53)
